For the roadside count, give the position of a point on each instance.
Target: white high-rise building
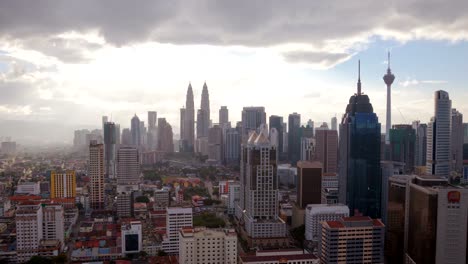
(177, 218)
(317, 213)
(258, 206)
(233, 196)
(96, 174)
(28, 231)
(53, 222)
(128, 166)
(201, 245)
(439, 136)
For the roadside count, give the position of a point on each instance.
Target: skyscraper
(232, 155)
(334, 123)
(215, 143)
(126, 137)
(128, 166)
(439, 136)
(109, 148)
(135, 129)
(182, 141)
(202, 123)
(326, 150)
(105, 119)
(309, 186)
(165, 136)
(117, 135)
(205, 101)
(223, 116)
(388, 79)
(360, 183)
(277, 122)
(457, 140)
(420, 144)
(96, 174)
(63, 185)
(152, 130)
(189, 127)
(252, 118)
(258, 207)
(402, 145)
(294, 137)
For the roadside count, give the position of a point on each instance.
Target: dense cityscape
(253, 191)
(233, 132)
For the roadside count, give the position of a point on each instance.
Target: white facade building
(28, 188)
(317, 213)
(439, 136)
(201, 245)
(28, 231)
(131, 237)
(177, 218)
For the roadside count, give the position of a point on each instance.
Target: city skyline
(90, 65)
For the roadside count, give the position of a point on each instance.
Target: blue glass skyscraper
(360, 183)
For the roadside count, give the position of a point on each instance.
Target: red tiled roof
(356, 218)
(335, 224)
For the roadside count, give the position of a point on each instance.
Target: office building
(457, 141)
(124, 202)
(315, 214)
(189, 127)
(33, 188)
(233, 141)
(395, 221)
(329, 188)
(402, 139)
(182, 141)
(143, 134)
(166, 136)
(117, 135)
(223, 116)
(309, 186)
(215, 144)
(152, 130)
(63, 185)
(252, 118)
(258, 203)
(177, 218)
(202, 245)
(294, 137)
(202, 123)
(362, 235)
(326, 150)
(277, 123)
(334, 123)
(308, 149)
(96, 175)
(420, 143)
(435, 221)
(439, 136)
(136, 131)
(109, 148)
(360, 181)
(128, 166)
(131, 237)
(126, 137)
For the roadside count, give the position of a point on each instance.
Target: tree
(298, 234)
(39, 260)
(60, 259)
(142, 199)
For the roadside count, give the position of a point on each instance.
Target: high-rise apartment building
(435, 221)
(326, 150)
(63, 185)
(402, 146)
(439, 136)
(96, 174)
(124, 202)
(223, 116)
(177, 218)
(360, 181)
(202, 245)
(309, 183)
(362, 236)
(258, 205)
(315, 214)
(294, 137)
(109, 148)
(28, 219)
(233, 197)
(136, 131)
(53, 222)
(252, 118)
(189, 127)
(128, 166)
(457, 141)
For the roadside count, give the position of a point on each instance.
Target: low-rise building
(285, 256)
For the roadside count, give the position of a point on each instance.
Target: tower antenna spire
(388, 60)
(359, 78)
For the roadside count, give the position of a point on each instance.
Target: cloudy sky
(67, 63)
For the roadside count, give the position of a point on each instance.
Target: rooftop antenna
(359, 78)
(388, 60)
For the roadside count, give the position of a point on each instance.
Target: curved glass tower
(360, 178)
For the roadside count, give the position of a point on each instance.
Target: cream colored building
(202, 245)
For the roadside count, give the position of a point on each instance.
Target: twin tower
(187, 119)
